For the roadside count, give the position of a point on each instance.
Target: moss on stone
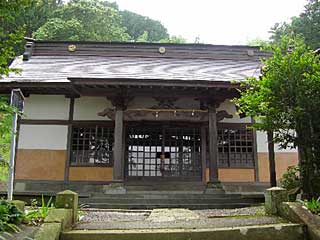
(19, 204)
(69, 200)
(61, 215)
(49, 231)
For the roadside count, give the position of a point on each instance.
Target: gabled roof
(46, 62)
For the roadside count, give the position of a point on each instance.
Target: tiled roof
(60, 68)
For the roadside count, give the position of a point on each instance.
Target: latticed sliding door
(165, 151)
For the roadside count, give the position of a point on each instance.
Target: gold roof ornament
(162, 50)
(72, 48)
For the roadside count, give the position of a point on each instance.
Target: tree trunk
(272, 163)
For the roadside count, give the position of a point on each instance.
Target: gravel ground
(191, 224)
(174, 218)
(211, 213)
(94, 215)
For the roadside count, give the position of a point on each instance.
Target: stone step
(167, 205)
(161, 192)
(184, 186)
(164, 200)
(165, 196)
(282, 231)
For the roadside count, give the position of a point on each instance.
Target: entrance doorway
(163, 151)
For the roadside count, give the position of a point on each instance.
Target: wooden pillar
(213, 144)
(118, 156)
(204, 153)
(69, 140)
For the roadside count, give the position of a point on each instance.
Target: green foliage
(290, 179)
(173, 39)
(11, 33)
(6, 112)
(84, 20)
(10, 216)
(257, 42)
(286, 100)
(313, 205)
(137, 25)
(307, 25)
(37, 215)
(58, 29)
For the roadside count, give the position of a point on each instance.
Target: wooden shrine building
(100, 113)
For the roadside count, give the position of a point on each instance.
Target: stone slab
(60, 215)
(266, 232)
(172, 215)
(49, 231)
(297, 213)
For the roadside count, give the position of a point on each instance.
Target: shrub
(290, 179)
(10, 216)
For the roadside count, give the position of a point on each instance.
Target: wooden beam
(213, 144)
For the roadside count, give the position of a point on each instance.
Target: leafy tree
(307, 24)
(286, 100)
(9, 38)
(257, 42)
(137, 25)
(5, 136)
(84, 20)
(173, 39)
(58, 29)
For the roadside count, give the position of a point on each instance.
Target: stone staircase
(169, 195)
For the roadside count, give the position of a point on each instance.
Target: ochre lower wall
(283, 161)
(35, 164)
(234, 174)
(90, 174)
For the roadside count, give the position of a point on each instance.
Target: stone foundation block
(60, 215)
(273, 198)
(68, 200)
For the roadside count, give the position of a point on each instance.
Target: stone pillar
(213, 144)
(273, 198)
(69, 200)
(118, 156)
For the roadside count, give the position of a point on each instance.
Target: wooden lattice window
(235, 147)
(92, 145)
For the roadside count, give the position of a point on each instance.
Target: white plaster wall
(231, 109)
(262, 144)
(87, 108)
(48, 107)
(53, 137)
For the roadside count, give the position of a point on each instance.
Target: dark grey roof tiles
(60, 68)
